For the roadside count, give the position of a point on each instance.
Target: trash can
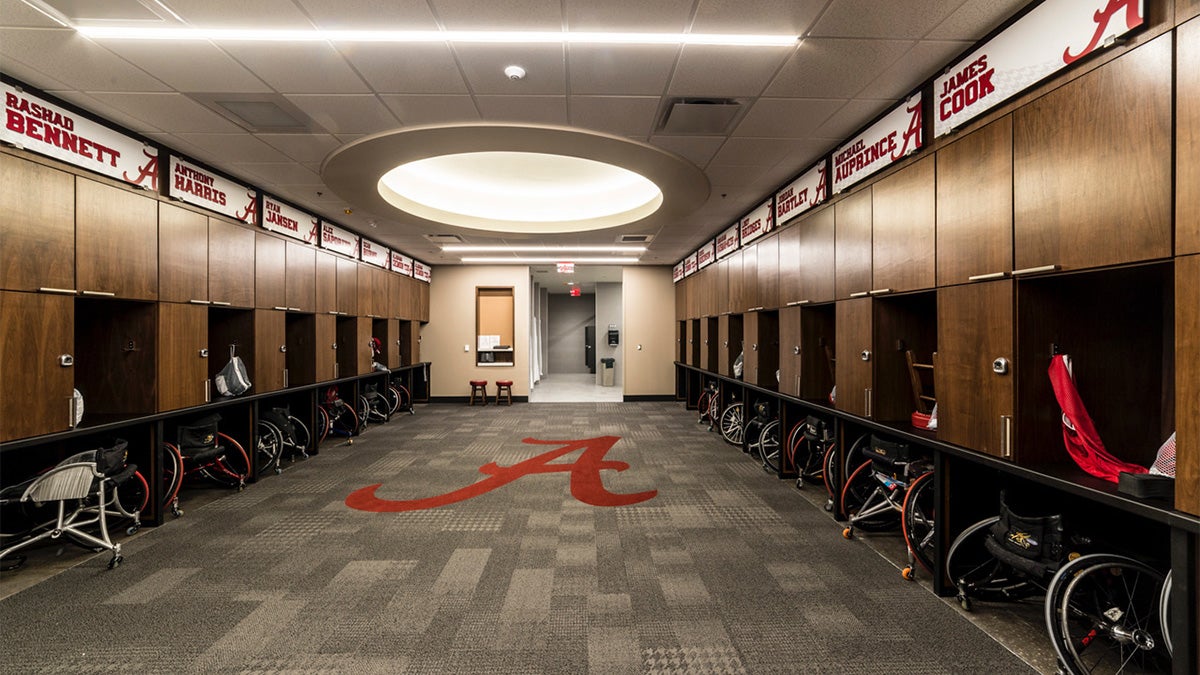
(607, 370)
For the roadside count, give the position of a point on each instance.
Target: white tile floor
(573, 388)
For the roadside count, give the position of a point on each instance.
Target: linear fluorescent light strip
(551, 261)
(511, 37)
(466, 248)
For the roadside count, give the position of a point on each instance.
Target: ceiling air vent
(699, 115)
(635, 238)
(444, 238)
(259, 113)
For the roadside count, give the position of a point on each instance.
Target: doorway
(573, 315)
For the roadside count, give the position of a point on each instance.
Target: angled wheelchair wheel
(301, 441)
(269, 442)
(363, 410)
(391, 397)
(323, 425)
(343, 421)
(702, 405)
(731, 424)
(172, 478)
(1164, 614)
(829, 475)
(750, 431)
(918, 520)
(404, 398)
(769, 450)
(230, 469)
(865, 502)
(977, 575)
(1107, 619)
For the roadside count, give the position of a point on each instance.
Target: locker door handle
(1006, 450)
(208, 391)
(221, 303)
(66, 360)
(796, 351)
(285, 378)
(1000, 366)
(867, 401)
(865, 355)
(101, 294)
(204, 353)
(60, 291)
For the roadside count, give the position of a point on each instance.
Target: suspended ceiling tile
(699, 150)
(924, 61)
(347, 113)
(499, 14)
(736, 175)
(772, 17)
(298, 68)
(837, 68)
(285, 173)
(419, 110)
(524, 109)
(713, 71)
(406, 68)
(173, 113)
(176, 145)
(65, 56)
(32, 76)
(620, 69)
(484, 64)
(19, 14)
(614, 114)
(189, 66)
(661, 16)
(975, 19)
(370, 14)
(106, 112)
(874, 19)
(239, 13)
(852, 117)
(301, 147)
(236, 148)
(786, 117)
(761, 150)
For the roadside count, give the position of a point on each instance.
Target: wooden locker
(366, 290)
(182, 356)
(1187, 383)
(681, 300)
(116, 242)
(1187, 138)
(818, 252)
(347, 287)
(974, 205)
(789, 351)
(902, 229)
(300, 277)
(750, 329)
(270, 344)
(852, 248)
(182, 254)
(789, 266)
(422, 301)
(270, 272)
(362, 347)
(36, 330)
(230, 264)
(37, 232)
(855, 350)
(737, 283)
(326, 349)
(326, 283)
(768, 272)
(749, 288)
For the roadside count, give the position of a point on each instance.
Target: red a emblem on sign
(251, 211)
(1102, 17)
(586, 484)
(147, 170)
(912, 136)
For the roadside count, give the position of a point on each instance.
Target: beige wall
(649, 299)
(452, 325)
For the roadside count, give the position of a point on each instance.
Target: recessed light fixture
(514, 73)
(110, 32)
(550, 261)
(468, 248)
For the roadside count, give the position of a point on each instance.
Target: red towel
(1079, 434)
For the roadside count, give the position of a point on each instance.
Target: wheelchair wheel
(343, 421)
(322, 424)
(829, 475)
(230, 469)
(768, 447)
(363, 410)
(378, 408)
(977, 575)
(854, 456)
(750, 432)
(268, 447)
(1107, 619)
(1164, 614)
(301, 438)
(391, 398)
(918, 520)
(404, 399)
(731, 424)
(862, 495)
(172, 476)
(806, 457)
(702, 405)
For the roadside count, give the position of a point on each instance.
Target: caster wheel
(350, 442)
(115, 562)
(132, 529)
(965, 603)
(278, 471)
(177, 512)
(799, 483)
(907, 573)
(829, 506)
(848, 533)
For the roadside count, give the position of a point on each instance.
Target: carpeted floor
(723, 570)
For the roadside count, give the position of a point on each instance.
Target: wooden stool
(479, 387)
(504, 387)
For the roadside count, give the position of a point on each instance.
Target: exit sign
(566, 268)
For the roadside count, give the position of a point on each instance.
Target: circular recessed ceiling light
(517, 179)
(514, 72)
(531, 191)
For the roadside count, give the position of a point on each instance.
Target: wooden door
(1187, 138)
(724, 301)
(974, 205)
(270, 272)
(708, 344)
(681, 300)
(1092, 166)
(817, 255)
(35, 331)
(301, 277)
(749, 278)
(37, 230)
(393, 289)
(902, 229)
(768, 272)
(852, 247)
(393, 343)
(422, 301)
(326, 347)
(789, 351)
(347, 287)
(116, 242)
(230, 264)
(737, 283)
(410, 342)
(270, 344)
(326, 283)
(855, 350)
(1187, 383)
(975, 331)
(366, 290)
(789, 266)
(182, 254)
(750, 327)
(182, 355)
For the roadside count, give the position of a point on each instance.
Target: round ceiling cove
(515, 178)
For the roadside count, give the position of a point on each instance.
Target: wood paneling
(724, 301)
(422, 301)
(366, 290)
(903, 229)
(37, 230)
(852, 222)
(975, 327)
(301, 277)
(974, 204)
(116, 241)
(1187, 384)
(392, 343)
(818, 252)
(789, 266)
(854, 336)
(762, 348)
(326, 283)
(750, 353)
(270, 271)
(326, 347)
(270, 359)
(1187, 138)
(737, 283)
(347, 286)
(749, 278)
(410, 342)
(768, 272)
(1092, 166)
(680, 300)
(302, 348)
(182, 343)
(230, 263)
(35, 329)
(789, 351)
(182, 254)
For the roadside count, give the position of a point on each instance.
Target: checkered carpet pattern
(726, 570)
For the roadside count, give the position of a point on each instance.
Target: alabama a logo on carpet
(586, 484)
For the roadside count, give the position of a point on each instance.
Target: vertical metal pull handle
(208, 391)
(1006, 450)
(71, 412)
(285, 378)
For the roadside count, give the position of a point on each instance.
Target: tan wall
(649, 299)
(452, 325)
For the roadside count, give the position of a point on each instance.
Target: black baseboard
(464, 400)
(645, 398)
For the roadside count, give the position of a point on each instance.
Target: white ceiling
(857, 59)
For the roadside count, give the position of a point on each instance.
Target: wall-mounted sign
(201, 187)
(757, 223)
(689, 265)
(374, 254)
(895, 135)
(281, 218)
(801, 195)
(707, 255)
(422, 271)
(677, 272)
(402, 264)
(727, 241)
(336, 239)
(575, 292)
(1051, 37)
(566, 268)
(39, 126)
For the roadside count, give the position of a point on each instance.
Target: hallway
(573, 388)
